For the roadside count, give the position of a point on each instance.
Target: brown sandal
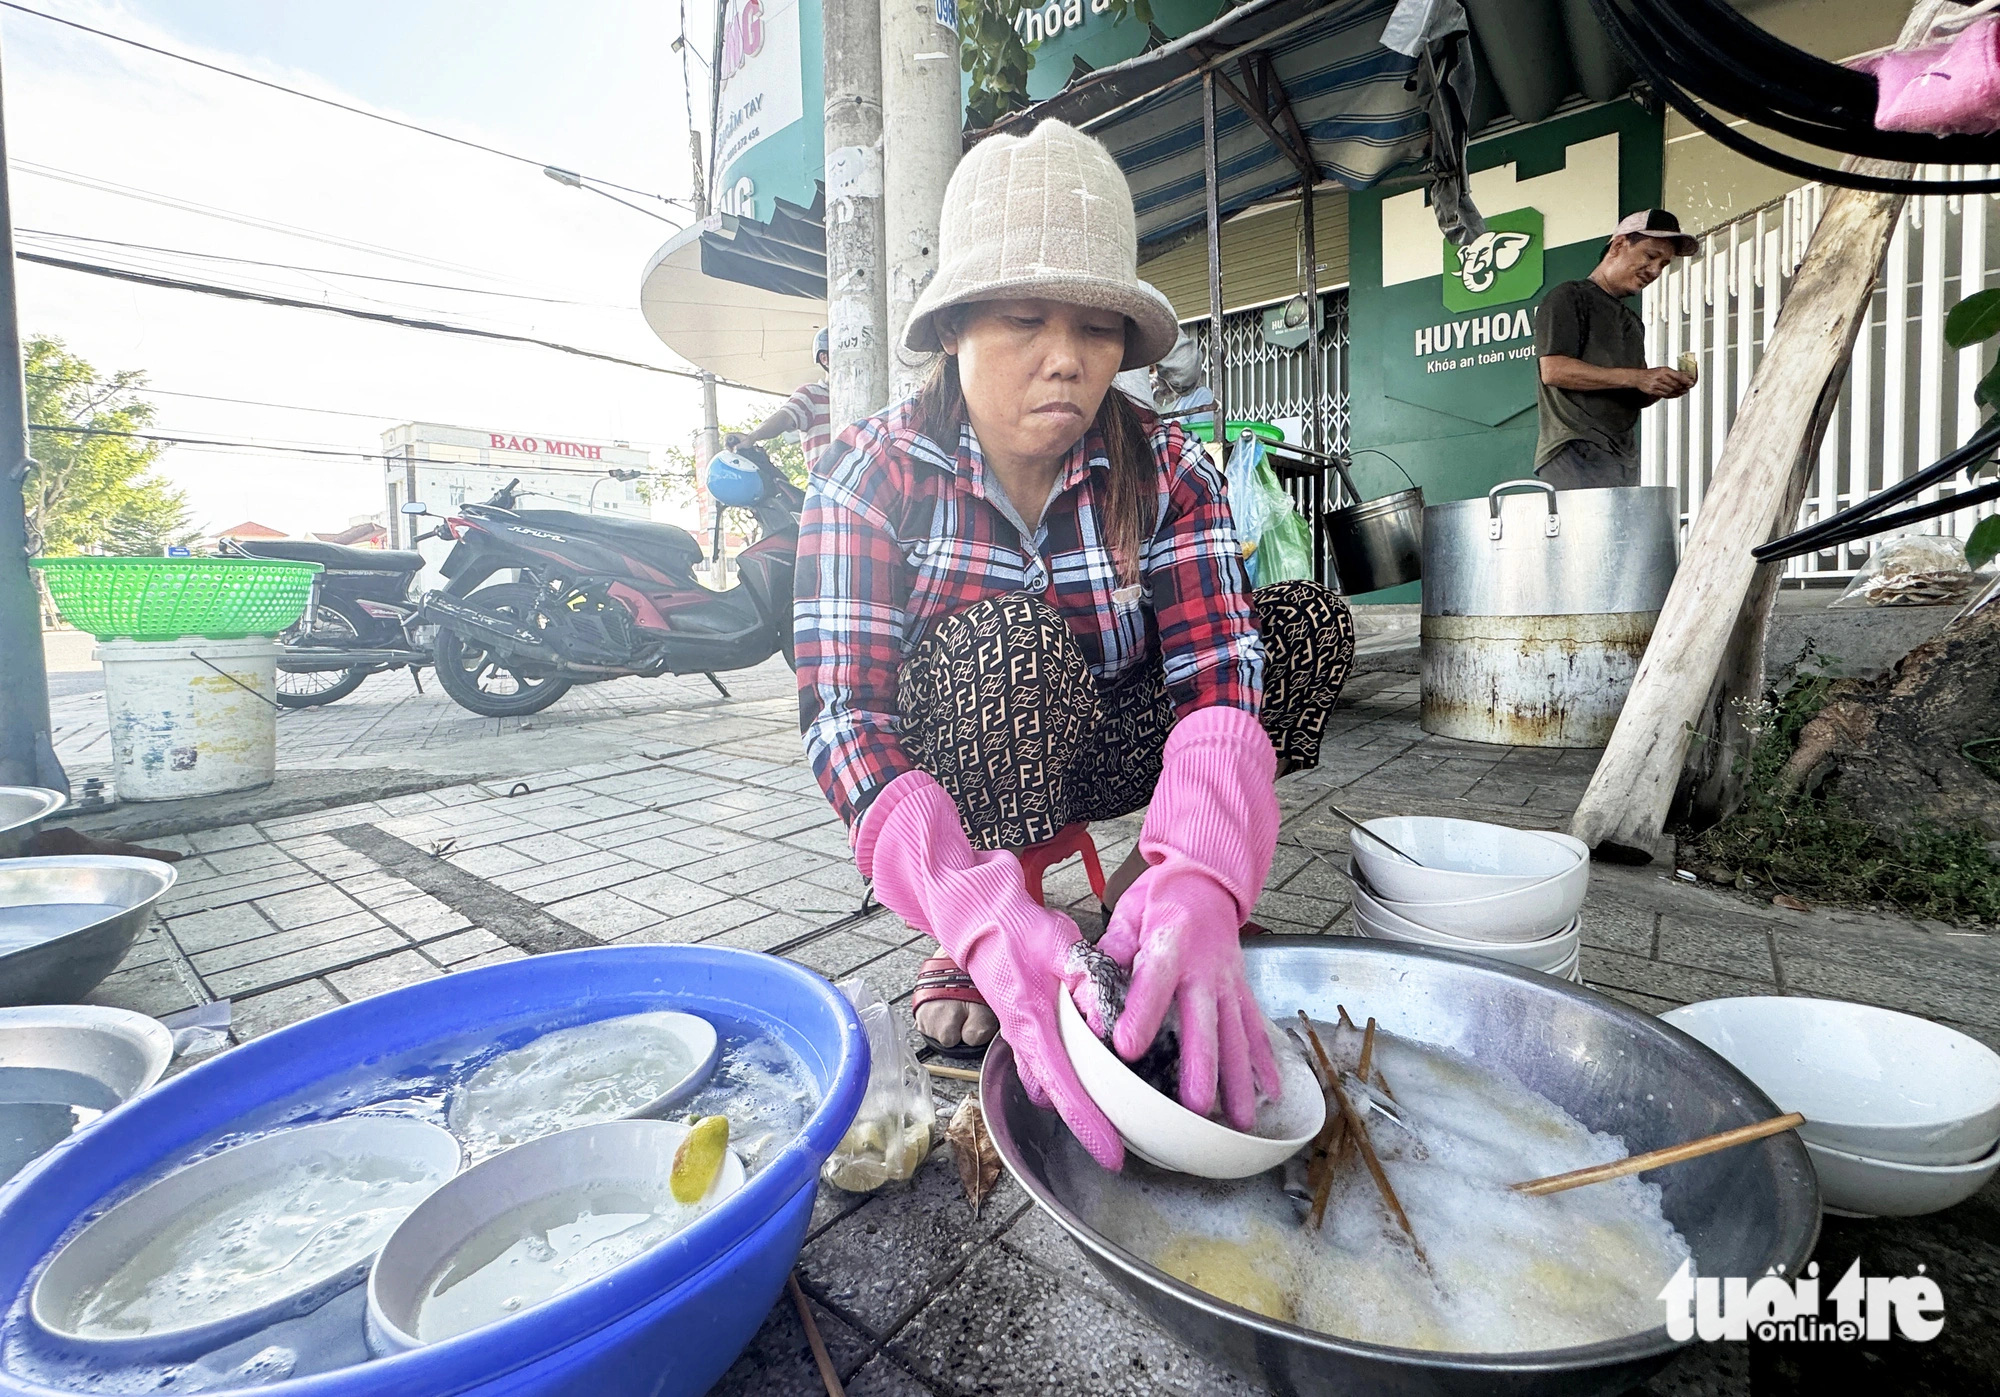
(940, 978)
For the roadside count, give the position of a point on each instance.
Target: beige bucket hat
(1047, 215)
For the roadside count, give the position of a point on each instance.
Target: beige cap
(1047, 216)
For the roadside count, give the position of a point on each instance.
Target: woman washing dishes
(1022, 605)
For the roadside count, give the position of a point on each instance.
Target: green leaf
(1984, 544)
(1973, 319)
(1987, 394)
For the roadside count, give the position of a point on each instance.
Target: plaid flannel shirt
(897, 534)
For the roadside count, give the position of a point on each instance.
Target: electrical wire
(265, 448)
(1701, 51)
(338, 106)
(47, 235)
(379, 317)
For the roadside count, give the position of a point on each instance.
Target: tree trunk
(1895, 751)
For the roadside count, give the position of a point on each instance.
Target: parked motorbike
(598, 597)
(360, 620)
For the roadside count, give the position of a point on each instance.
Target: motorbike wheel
(332, 621)
(481, 681)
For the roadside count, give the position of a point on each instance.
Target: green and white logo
(1502, 264)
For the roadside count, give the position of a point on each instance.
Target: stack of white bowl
(1511, 895)
(1902, 1114)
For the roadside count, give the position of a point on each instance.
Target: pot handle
(1551, 526)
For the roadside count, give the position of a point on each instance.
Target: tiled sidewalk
(697, 821)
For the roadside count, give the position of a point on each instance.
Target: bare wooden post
(1626, 807)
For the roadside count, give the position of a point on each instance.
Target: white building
(444, 467)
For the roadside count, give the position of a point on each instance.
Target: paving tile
(1612, 924)
(669, 894)
(379, 890)
(760, 875)
(1311, 912)
(623, 871)
(807, 900)
(499, 957)
(588, 861)
(1006, 1326)
(1036, 1238)
(314, 960)
(423, 916)
(883, 1376)
(223, 926)
(604, 915)
(460, 946)
(246, 858)
(549, 848)
(1680, 983)
(1740, 949)
(229, 837)
(229, 891)
(306, 907)
(384, 973)
(491, 860)
(280, 943)
(1916, 975)
(761, 934)
(779, 1361)
(839, 954)
(261, 1013)
(156, 989)
(881, 1261)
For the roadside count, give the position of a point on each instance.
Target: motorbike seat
(645, 539)
(335, 557)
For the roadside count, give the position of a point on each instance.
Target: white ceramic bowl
(1461, 859)
(1525, 914)
(1867, 1187)
(1377, 919)
(627, 1155)
(1161, 1131)
(193, 1200)
(123, 1052)
(1869, 1081)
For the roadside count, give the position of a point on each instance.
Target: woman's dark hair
(1131, 496)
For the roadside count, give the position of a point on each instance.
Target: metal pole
(1315, 370)
(27, 756)
(858, 371)
(923, 119)
(1217, 384)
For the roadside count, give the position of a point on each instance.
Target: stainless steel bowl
(21, 808)
(121, 1052)
(71, 919)
(1611, 1067)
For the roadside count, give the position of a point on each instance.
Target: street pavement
(661, 812)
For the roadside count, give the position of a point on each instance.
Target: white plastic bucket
(191, 717)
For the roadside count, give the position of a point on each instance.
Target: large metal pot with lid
(1537, 608)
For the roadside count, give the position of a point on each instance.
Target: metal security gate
(1908, 397)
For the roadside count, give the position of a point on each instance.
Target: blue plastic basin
(666, 1325)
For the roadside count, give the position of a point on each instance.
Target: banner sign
(767, 79)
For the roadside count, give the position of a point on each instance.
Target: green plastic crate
(1204, 427)
(166, 598)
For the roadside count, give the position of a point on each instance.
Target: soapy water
(244, 1248)
(545, 1249)
(759, 1083)
(40, 1107)
(1506, 1272)
(27, 926)
(565, 1079)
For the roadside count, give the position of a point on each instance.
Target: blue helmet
(822, 346)
(733, 479)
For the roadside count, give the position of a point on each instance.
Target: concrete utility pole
(27, 756)
(858, 372)
(923, 120)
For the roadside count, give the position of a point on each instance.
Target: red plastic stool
(1038, 859)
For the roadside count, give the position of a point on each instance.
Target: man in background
(805, 412)
(1592, 357)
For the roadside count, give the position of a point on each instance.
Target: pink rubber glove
(1208, 839)
(1018, 953)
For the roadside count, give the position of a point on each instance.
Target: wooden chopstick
(955, 1074)
(1653, 1159)
(821, 1357)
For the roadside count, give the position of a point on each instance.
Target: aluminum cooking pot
(1577, 552)
(1378, 543)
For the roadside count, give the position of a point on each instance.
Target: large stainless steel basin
(1611, 1067)
(55, 1057)
(66, 922)
(21, 809)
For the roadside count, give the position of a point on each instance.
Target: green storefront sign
(770, 128)
(1442, 370)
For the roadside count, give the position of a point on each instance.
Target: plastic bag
(1277, 542)
(1915, 570)
(891, 1133)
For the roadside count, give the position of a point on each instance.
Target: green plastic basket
(1204, 427)
(166, 598)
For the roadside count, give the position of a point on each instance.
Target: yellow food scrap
(1228, 1271)
(699, 1159)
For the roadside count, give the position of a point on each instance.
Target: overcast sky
(591, 85)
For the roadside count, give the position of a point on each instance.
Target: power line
(247, 220)
(330, 102)
(379, 317)
(316, 271)
(265, 448)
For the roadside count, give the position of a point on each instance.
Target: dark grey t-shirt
(1581, 320)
